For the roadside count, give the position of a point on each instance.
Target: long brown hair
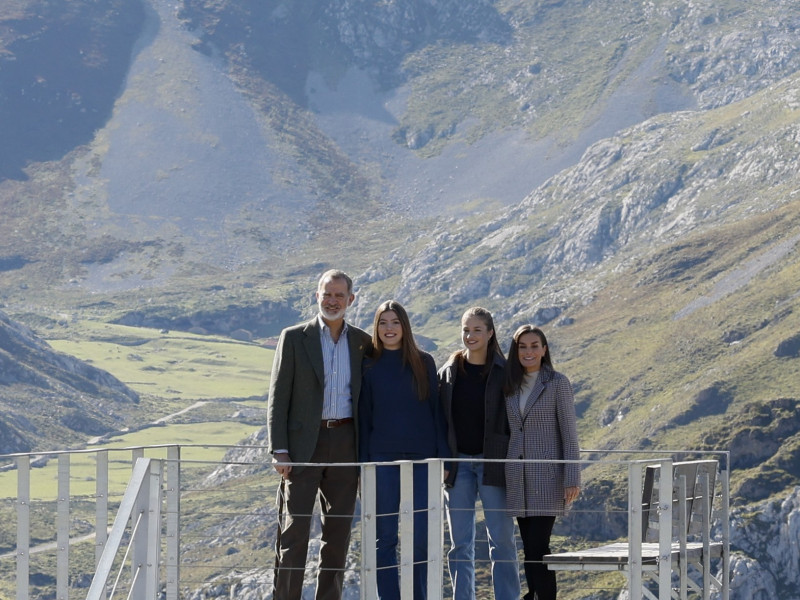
(412, 355)
(514, 372)
(492, 348)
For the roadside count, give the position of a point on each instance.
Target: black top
(495, 428)
(469, 410)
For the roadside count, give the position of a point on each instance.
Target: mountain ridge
(651, 225)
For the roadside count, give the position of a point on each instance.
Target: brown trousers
(337, 487)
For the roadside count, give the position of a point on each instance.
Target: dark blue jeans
(387, 507)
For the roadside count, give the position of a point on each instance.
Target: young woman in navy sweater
(399, 419)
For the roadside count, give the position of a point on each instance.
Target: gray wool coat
(545, 429)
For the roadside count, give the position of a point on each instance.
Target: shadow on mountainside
(47, 106)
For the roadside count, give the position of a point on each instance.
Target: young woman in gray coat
(541, 417)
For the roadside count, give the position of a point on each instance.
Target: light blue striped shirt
(338, 402)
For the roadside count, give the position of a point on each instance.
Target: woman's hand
(571, 494)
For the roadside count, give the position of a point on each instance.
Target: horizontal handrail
(170, 460)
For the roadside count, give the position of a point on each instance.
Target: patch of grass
(544, 78)
(204, 445)
(174, 364)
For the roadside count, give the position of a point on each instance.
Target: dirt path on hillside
(740, 277)
(167, 418)
(159, 421)
(52, 545)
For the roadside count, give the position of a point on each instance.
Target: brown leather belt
(331, 423)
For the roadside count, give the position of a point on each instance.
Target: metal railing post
(726, 527)
(705, 514)
(634, 530)
(153, 531)
(665, 531)
(173, 521)
(23, 525)
(435, 528)
(406, 529)
(368, 533)
(136, 454)
(62, 529)
(683, 528)
(101, 504)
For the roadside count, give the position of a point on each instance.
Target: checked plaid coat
(545, 429)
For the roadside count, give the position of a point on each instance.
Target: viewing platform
(167, 522)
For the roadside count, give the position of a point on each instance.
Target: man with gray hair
(311, 418)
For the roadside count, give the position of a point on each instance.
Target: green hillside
(622, 174)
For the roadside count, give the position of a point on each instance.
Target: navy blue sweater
(393, 422)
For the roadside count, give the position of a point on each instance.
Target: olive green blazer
(296, 390)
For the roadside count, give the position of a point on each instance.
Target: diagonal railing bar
(144, 485)
(135, 578)
(125, 560)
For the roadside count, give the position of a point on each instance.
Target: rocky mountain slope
(622, 173)
(46, 394)
(62, 65)
(421, 108)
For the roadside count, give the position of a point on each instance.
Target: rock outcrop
(42, 388)
(765, 539)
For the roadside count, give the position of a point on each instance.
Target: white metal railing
(141, 505)
(144, 497)
(435, 510)
(148, 523)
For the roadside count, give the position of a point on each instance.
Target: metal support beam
(62, 529)
(173, 521)
(406, 529)
(368, 533)
(23, 525)
(435, 528)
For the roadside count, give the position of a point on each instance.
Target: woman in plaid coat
(541, 416)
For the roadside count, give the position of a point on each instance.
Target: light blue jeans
(460, 502)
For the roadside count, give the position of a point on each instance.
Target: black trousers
(535, 533)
